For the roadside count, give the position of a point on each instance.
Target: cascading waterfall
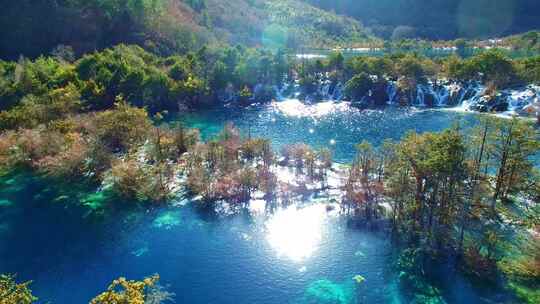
(325, 89)
(457, 93)
(278, 92)
(470, 96)
(519, 99)
(392, 92)
(338, 92)
(441, 93)
(420, 96)
(281, 91)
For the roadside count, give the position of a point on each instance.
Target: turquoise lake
(302, 253)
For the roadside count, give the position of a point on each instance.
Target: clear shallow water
(296, 254)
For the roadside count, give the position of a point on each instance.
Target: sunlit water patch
(296, 108)
(297, 232)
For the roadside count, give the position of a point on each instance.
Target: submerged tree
(362, 189)
(514, 143)
(133, 179)
(123, 127)
(434, 166)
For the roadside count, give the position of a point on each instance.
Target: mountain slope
(307, 26)
(168, 26)
(282, 23)
(440, 19)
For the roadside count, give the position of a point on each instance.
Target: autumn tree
(121, 128)
(123, 291)
(432, 166)
(12, 292)
(514, 143)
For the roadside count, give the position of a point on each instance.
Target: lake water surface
(301, 253)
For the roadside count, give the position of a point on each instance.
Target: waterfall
(518, 100)
(325, 89)
(391, 90)
(338, 92)
(280, 91)
(468, 96)
(420, 96)
(456, 92)
(533, 108)
(441, 94)
(438, 94)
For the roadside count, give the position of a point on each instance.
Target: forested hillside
(440, 19)
(167, 26)
(527, 41)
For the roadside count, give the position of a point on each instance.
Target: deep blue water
(297, 254)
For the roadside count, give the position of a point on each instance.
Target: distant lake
(431, 52)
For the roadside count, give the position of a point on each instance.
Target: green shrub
(358, 86)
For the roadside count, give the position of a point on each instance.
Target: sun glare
(296, 233)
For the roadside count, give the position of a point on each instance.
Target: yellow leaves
(190, 87)
(150, 281)
(73, 137)
(63, 126)
(167, 141)
(66, 95)
(94, 88)
(245, 92)
(11, 292)
(122, 291)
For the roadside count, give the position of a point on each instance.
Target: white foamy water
(310, 56)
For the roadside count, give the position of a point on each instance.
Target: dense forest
(441, 19)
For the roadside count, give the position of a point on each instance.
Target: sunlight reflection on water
(295, 232)
(296, 108)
